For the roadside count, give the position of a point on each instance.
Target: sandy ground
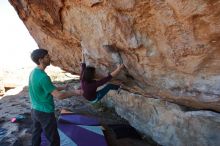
(16, 102)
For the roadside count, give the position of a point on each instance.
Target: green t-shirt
(40, 88)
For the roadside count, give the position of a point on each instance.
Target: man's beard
(46, 63)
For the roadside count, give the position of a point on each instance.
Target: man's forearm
(60, 88)
(70, 93)
(66, 94)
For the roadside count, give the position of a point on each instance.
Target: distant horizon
(16, 42)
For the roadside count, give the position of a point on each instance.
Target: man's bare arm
(66, 94)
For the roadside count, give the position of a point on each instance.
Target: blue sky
(15, 41)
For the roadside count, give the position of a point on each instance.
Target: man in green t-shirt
(41, 92)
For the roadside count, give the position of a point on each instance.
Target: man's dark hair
(89, 73)
(38, 54)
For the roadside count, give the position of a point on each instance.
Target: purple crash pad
(79, 119)
(78, 130)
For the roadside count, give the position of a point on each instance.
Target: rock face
(167, 123)
(170, 48)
